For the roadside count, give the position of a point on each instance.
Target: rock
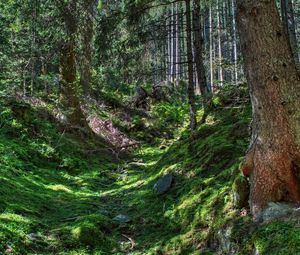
(121, 218)
(123, 176)
(34, 237)
(163, 184)
(87, 234)
(224, 240)
(223, 236)
(278, 210)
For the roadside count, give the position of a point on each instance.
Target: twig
(133, 244)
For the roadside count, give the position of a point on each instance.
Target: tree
(199, 59)
(272, 161)
(191, 89)
(87, 29)
(288, 21)
(69, 91)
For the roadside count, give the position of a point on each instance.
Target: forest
(149, 127)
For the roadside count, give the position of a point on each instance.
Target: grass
(55, 198)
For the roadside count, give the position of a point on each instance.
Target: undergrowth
(59, 193)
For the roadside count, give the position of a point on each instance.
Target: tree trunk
(177, 43)
(199, 59)
(87, 41)
(220, 55)
(288, 21)
(69, 93)
(191, 90)
(234, 43)
(272, 161)
(211, 47)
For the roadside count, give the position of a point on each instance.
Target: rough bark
(288, 21)
(68, 90)
(273, 156)
(69, 93)
(191, 89)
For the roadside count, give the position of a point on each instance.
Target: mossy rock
(88, 234)
(240, 190)
(91, 230)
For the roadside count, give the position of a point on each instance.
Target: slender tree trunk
(211, 49)
(288, 21)
(191, 88)
(87, 47)
(199, 59)
(177, 35)
(220, 56)
(33, 46)
(170, 45)
(234, 43)
(272, 162)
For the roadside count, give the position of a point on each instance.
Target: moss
(50, 186)
(88, 234)
(278, 238)
(240, 191)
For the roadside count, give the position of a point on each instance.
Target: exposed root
(248, 164)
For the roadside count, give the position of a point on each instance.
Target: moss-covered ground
(59, 192)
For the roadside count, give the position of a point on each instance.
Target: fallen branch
(133, 244)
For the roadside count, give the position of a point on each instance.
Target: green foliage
(278, 238)
(170, 113)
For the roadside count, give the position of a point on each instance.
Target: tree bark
(191, 89)
(220, 55)
(87, 46)
(211, 49)
(272, 161)
(69, 93)
(234, 43)
(288, 21)
(199, 58)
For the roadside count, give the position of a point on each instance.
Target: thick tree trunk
(191, 89)
(272, 162)
(69, 93)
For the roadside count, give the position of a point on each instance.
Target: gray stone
(278, 210)
(122, 218)
(123, 176)
(225, 244)
(34, 237)
(163, 184)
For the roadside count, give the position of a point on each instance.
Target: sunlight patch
(59, 187)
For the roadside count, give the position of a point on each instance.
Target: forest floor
(60, 194)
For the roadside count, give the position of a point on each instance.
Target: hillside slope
(62, 192)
